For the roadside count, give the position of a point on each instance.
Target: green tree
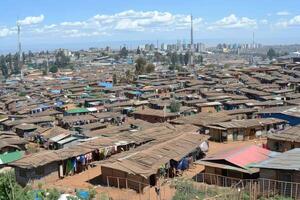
(210, 66)
(53, 69)
(200, 59)
(124, 52)
(10, 62)
(23, 57)
(140, 64)
(172, 67)
(10, 189)
(174, 59)
(61, 60)
(150, 68)
(226, 66)
(3, 65)
(157, 56)
(115, 79)
(45, 67)
(186, 58)
(138, 51)
(128, 77)
(16, 69)
(77, 55)
(52, 194)
(271, 53)
(181, 59)
(175, 106)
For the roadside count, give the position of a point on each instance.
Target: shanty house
(12, 147)
(52, 165)
(154, 115)
(289, 113)
(240, 130)
(209, 107)
(235, 163)
(142, 168)
(285, 169)
(285, 140)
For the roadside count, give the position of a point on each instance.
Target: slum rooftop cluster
(51, 124)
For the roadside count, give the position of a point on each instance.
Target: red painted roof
(243, 156)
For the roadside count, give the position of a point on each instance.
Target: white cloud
(233, 21)
(50, 26)
(295, 21)
(100, 24)
(4, 32)
(144, 20)
(31, 20)
(126, 21)
(283, 13)
(77, 23)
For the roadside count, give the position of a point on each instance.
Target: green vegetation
(115, 80)
(123, 52)
(271, 54)
(3, 65)
(226, 66)
(53, 69)
(11, 190)
(210, 66)
(186, 190)
(149, 68)
(61, 60)
(178, 68)
(142, 67)
(175, 106)
(22, 94)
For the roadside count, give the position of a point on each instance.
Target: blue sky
(48, 24)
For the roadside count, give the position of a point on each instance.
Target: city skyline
(80, 24)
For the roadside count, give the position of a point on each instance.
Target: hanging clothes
(69, 166)
(61, 171)
(74, 164)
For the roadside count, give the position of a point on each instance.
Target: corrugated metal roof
(244, 156)
(59, 137)
(291, 134)
(289, 160)
(67, 140)
(248, 123)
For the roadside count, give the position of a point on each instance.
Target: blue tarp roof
(105, 84)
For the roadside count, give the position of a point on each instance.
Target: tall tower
(192, 44)
(19, 50)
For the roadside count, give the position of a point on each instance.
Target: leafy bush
(10, 189)
(175, 106)
(53, 69)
